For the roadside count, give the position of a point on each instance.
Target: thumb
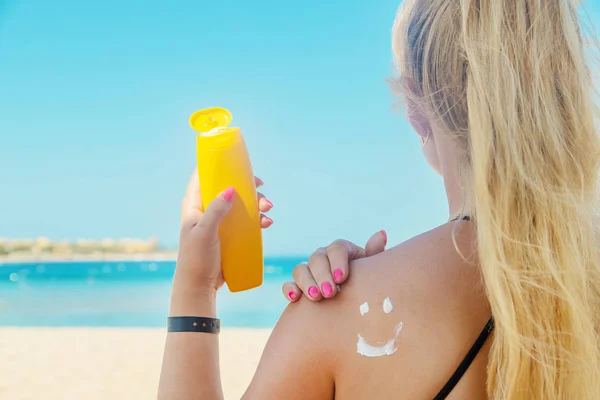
(216, 212)
(376, 243)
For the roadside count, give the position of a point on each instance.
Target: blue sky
(95, 99)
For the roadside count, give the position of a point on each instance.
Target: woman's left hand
(199, 258)
(329, 267)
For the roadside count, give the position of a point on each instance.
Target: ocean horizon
(124, 294)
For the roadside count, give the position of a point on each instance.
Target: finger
(320, 269)
(305, 281)
(265, 222)
(191, 206)
(264, 205)
(376, 243)
(340, 253)
(208, 226)
(258, 182)
(291, 291)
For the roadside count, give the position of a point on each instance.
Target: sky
(95, 99)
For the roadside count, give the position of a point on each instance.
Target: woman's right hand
(328, 267)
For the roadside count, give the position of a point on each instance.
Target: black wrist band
(194, 324)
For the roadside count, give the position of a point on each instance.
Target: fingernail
(292, 295)
(269, 204)
(327, 289)
(269, 220)
(313, 291)
(385, 238)
(228, 194)
(338, 275)
(260, 182)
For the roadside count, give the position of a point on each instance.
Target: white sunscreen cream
(386, 349)
(387, 306)
(364, 308)
(381, 349)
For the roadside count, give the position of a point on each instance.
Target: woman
(501, 96)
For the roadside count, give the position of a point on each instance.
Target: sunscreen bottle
(223, 162)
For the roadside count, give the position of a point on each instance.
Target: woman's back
(439, 299)
(399, 328)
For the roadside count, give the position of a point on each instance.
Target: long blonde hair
(509, 80)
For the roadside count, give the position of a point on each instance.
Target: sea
(125, 294)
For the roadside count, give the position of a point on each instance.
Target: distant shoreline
(113, 257)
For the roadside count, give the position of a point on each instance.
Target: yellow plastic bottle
(223, 161)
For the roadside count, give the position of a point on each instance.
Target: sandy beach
(108, 363)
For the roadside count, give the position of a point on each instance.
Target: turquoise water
(123, 294)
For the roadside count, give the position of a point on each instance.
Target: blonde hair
(509, 80)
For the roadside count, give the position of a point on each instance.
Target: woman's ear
(416, 117)
(421, 125)
(418, 120)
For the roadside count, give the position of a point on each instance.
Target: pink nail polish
(313, 291)
(269, 204)
(269, 220)
(338, 275)
(327, 289)
(292, 295)
(228, 194)
(385, 238)
(259, 182)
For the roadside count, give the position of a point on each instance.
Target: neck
(457, 205)
(448, 151)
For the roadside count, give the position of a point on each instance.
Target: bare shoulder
(401, 325)
(409, 316)
(425, 277)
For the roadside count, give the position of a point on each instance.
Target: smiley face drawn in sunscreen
(380, 349)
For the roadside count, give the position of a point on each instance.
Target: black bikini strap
(464, 365)
(465, 218)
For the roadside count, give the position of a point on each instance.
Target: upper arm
(297, 362)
